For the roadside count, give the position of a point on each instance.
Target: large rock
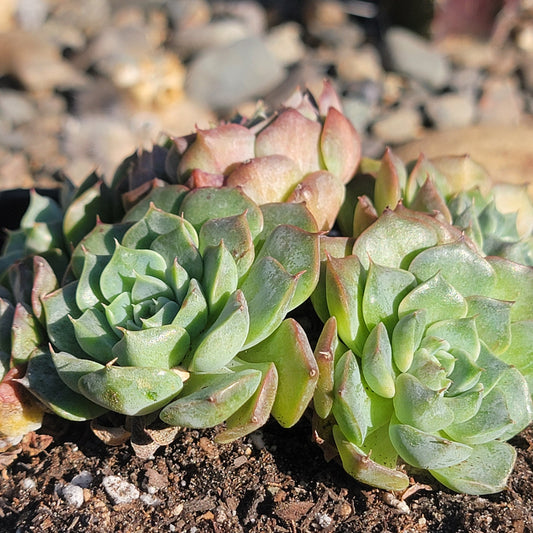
(416, 57)
(221, 78)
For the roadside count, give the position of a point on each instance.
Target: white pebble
(28, 483)
(72, 494)
(83, 479)
(120, 491)
(324, 521)
(150, 499)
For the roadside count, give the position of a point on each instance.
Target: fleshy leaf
(288, 348)
(224, 339)
(425, 450)
(268, 290)
(95, 335)
(440, 300)
(120, 273)
(344, 289)
(406, 338)
(461, 333)
(384, 289)
(70, 368)
(159, 347)
(351, 404)
(26, 334)
(193, 312)
(221, 277)
(419, 406)
(44, 382)
(256, 411)
(376, 362)
(298, 252)
(493, 321)
(216, 397)
(132, 391)
(486, 470)
(359, 465)
(458, 264)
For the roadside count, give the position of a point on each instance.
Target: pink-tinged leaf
(328, 99)
(322, 194)
(266, 179)
(217, 149)
(26, 334)
(340, 146)
(292, 135)
(256, 411)
(428, 199)
(199, 178)
(19, 411)
(390, 181)
(365, 215)
(44, 282)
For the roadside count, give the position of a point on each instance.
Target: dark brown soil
(273, 481)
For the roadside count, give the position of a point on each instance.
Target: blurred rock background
(83, 84)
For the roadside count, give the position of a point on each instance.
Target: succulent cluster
(432, 364)
(499, 219)
(305, 152)
(162, 300)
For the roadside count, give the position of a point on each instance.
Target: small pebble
(324, 520)
(28, 483)
(119, 490)
(150, 499)
(72, 494)
(83, 479)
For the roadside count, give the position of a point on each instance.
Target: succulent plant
(306, 151)
(50, 229)
(21, 337)
(425, 357)
(183, 317)
(498, 218)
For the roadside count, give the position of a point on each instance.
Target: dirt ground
(272, 481)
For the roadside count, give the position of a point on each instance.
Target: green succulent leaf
(376, 361)
(344, 288)
(157, 347)
(460, 333)
(440, 300)
(26, 334)
(95, 335)
(493, 321)
(426, 450)
(298, 252)
(132, 391)
(359, 465)
(255, 412)
(288, 348)
(193, 313)
(224, 339)
(71, 368)
(384, 289)
(417, 405)
(406, 338)
(44, 382)
(58, 307)
(208, 401)
(203, 204)
(167, 198)
(486, 470)
(268, 290)
(351, 404)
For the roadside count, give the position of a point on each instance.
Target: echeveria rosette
(497, 217)
(433, 367)
(185, 315)
(303, 152)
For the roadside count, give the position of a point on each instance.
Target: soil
(275, 480)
